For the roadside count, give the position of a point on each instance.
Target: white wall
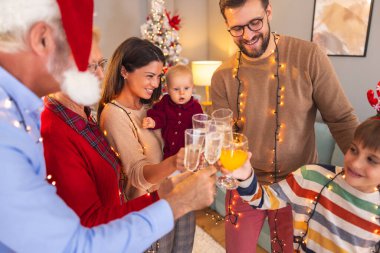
(120, 19)
(357, 74)
(204, 37)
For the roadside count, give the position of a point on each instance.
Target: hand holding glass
(233, 156)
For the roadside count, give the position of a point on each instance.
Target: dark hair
(133, 53)
(223, 4)
(368, 133)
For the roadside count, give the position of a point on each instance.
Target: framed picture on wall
(342, 27)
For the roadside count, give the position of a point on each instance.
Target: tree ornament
(162, 30)
(373, 101)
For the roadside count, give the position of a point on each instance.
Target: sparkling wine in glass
(223, 117)
(213, 144)
(201, 121)
(194, 142)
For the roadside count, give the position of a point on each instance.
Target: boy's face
(180, 88)
(362, 168)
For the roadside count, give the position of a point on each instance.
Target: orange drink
(232, 159)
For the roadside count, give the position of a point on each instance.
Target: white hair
(18, 16)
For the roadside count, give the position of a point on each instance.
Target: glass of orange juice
(234, 154)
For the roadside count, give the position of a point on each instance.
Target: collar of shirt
(184, 106)
(27, 101)
(70, 117)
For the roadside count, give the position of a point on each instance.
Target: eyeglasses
(94, 66)
(254, 25)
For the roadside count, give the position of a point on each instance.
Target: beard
(256, 53)
(82, 87)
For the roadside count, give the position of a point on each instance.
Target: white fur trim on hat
(82, 87)
(23, 13)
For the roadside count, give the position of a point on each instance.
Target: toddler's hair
(178, 70)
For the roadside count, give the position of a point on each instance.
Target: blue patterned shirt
(32, 217)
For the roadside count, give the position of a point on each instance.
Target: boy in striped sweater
(334, 209)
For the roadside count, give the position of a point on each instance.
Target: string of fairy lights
(233, 216)
(239, 122)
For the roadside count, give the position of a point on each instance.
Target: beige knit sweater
(309, 83)
(136, 148)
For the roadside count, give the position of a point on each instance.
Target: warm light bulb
(7, 104)
(16, 123)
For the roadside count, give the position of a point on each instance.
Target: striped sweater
(344, 218)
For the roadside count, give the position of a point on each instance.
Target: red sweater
(84, 168)
(173, 120)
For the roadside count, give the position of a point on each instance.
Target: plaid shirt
(91, 132)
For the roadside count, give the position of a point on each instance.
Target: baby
(173, 113)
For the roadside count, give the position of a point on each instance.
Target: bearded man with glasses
(275, 84)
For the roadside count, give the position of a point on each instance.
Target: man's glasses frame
(101, 64)
(254, 25)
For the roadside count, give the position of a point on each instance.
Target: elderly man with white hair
(44, 48)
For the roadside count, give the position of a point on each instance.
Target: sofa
(328, 153)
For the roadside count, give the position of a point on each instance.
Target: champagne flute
(232, 157)
(213, 143)
(224, 117)
(194, 141)
(202, 122)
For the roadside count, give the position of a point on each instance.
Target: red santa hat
(77, 21)
(77, 18)
(76, 15)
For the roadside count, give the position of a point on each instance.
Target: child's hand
(148, 122)
(242, 173)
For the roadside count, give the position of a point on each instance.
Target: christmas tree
(162, 30)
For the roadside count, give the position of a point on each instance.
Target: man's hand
(180, 160)
(148, 122)
(193, 193)
(168, 184)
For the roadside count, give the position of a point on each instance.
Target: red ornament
(173, 21)
(373, 101)
(371, 98)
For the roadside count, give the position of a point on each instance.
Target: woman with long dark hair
(132, 83)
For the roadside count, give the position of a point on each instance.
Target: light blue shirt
(32, 217)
